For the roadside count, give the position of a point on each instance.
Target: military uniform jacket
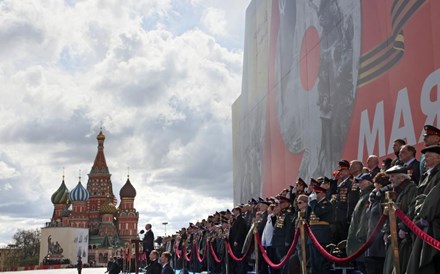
(262, 223)
(323, 210)
(429, 181)
(353, 198)
(405, 201)
(358, 230)
(237, 233)
(342, 200)
(284, 228)
(373, 214)
(423, 254)
(426, 184)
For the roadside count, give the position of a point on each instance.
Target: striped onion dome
(61, 196)
(108, 208)
(127, 190)
(79, 193)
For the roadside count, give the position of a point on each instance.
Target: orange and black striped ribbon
(384, 56)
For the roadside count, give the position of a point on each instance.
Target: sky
(159, 78)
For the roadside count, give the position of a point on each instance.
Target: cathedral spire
(100, 165)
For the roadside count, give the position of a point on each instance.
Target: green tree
(27, 244)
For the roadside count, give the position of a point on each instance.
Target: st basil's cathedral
(93, 208)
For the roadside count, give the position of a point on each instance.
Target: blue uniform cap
(364, 176)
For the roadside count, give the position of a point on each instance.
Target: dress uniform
(283, 230)
(406, 193)
(342, 212)
(358, 229)
(429, 131)
(319, 216)
(424, 258)
(299, 189)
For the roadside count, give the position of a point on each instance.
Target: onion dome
(108, 208)
(79, 193)
(127, 190)
(101, 136)
(61, 196)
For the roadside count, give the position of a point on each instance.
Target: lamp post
(165, 228)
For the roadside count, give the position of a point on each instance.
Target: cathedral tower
(128, 216)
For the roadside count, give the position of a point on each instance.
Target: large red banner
(325, 80)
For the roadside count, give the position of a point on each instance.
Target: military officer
(313, 183)
(237, 235)
(358, 229)
(283, 230)
(319, 216)
(328, 184)
(424, 258)
(406, 192)
(430, 138)
(298, 189)
(341, 220)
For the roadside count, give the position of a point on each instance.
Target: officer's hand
(385, 238)
(293, 188)
(373, 197)
(312, 197)
(402, 234)
(422, 223)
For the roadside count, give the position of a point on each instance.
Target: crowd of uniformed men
(342, 212)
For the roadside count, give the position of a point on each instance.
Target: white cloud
(162, 96)
(6, 171)
(214, 20)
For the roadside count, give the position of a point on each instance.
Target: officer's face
(163, 259)
(153, 256)
(343, 173)
(284, 204)
(431, 140)
(302, 205)
(404, 154)
(364, 184)
(432, 159)
(262, 207)
(396, 179)
(372, 162)
(320, 195)
(396, 147)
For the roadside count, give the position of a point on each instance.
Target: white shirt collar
(410, 161)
